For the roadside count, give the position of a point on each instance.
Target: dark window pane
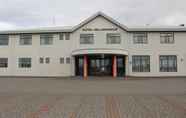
(141, 63)
(168, 63)
(24, 62)
(4, 39)
(3, 62)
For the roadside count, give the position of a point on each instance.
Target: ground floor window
(25, 62)
(3, 62)
(168, 63)
(68, 60)
(141, 63)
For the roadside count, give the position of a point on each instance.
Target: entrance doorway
(100, 65)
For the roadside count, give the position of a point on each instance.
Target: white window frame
(25, 62)
(140, 38)
(25, 37)
(167, 38)
(4, 40)
(140, 63)
(46, 39)
(113, 38)
(3, 62)
(86, 38)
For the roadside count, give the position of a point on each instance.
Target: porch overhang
(99, 51)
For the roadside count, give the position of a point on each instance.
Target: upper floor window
(168, 63)
(3, 62)
(4, 39)
(67, 36)
(25, 62)
(61, 36)
(68, 60)
(167, 38)
(25, 39)
(113, 38)
(41, 60)
(61, 60)
(86, 38)
(141, 63)
(47, 60)
(140, 38)
(46, 39)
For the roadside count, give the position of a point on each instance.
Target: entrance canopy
(99, 51)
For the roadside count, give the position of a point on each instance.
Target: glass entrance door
(100, 66)
(120, 66)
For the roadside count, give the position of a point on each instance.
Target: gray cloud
(35, 13)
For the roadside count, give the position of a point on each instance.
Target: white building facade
(99, 46)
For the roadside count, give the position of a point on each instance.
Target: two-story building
(99, 46)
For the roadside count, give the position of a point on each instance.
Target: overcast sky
(39, 13)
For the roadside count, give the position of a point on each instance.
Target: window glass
(61, 36)
(61, 60)
(47, 60)
(67, 36)
(25, 39)
(86, 38)
(168, 63)
(140, 38)
(68, 60)
(46, 39)
(141, 63)
(4, 39)
(167, 38)
(24, 62)
(41, 60)
(3, 62)
(113, 39)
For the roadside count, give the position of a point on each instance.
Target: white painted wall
(64, 48)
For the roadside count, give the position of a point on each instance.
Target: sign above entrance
(100, 29)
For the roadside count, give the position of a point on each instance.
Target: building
(99, 46)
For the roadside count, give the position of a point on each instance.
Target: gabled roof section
(108, 18)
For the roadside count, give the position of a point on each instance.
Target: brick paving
(56, 98)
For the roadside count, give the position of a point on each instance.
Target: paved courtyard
(60, 98)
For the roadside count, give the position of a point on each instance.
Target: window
(68, 60)
(4, 39)
(167, 38)
(46, 39)
(67, 36)
(24, 62)
(140, 38)
(41, 60)
(86, 38)
(141, 63)
(168, 63)
(113, 39)
(25, 39)
(61, 60)
(3, 62)
(61, 36)
(47, 60)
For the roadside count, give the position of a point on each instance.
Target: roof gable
(88, 20)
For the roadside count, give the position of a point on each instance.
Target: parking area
(70, 98)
